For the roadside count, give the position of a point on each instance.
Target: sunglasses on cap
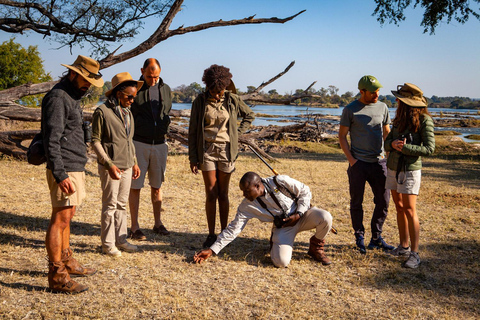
(90, 74)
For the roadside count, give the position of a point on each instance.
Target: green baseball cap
(369, 83)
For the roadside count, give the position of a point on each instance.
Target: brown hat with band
(120, 78)
(411, 95)
(88, 68)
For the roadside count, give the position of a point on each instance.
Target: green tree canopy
(436, 11)
(20, 66)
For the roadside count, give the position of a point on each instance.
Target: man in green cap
(368, 121)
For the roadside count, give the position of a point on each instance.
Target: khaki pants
(283, 238)
(114, 207)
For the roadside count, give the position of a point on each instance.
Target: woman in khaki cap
(113, 129)
(410, 139)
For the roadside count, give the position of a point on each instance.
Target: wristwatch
(301, 214)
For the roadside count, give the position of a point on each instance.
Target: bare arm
(386, 131)
(342, 138)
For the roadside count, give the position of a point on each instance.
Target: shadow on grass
(337, 157)
(457, 173)
(253, 251)
(41, 224)
(453, 271)
(23, 286)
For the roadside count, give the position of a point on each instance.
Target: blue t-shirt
(366, 124)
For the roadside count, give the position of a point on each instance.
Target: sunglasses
(128, 96)
(90, 74)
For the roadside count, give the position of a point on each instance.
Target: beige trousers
(114, 207)
(283, 238)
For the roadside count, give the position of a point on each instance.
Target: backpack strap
(272, 194)
(264, 206)
(285, 190)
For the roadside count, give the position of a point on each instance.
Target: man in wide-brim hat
(65, 149)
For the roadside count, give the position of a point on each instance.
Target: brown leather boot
(59, 280)
(74, 268)
(317, 252)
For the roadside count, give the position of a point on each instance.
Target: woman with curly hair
(410, 139)
(213, 141)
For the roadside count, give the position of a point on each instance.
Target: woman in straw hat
(410, 138)
(113, 129)
(213, 141)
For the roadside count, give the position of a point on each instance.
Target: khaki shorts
(408, 182)
(60, 198)
(216, 157)
(151, 158)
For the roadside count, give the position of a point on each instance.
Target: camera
(408, 137)
(87, 131)
(278, 220)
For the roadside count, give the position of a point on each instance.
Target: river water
(294, 113)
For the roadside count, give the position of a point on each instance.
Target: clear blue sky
(333, 43)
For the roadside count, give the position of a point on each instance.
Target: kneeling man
(284, 201)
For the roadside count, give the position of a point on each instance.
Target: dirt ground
(161, 282)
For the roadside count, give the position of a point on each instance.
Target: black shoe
(161, 230)
(379, 244)
(361, 244)
(210, 240)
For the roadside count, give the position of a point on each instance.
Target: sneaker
(413, 261)
(137, 235)
(127, 247)
(361, 244)
(379, 244)
(400, 251)
(161, 230)
(211, 238)
(113, 252)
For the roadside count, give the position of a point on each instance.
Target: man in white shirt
(284, 201)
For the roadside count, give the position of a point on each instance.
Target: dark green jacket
(236, 107)
(108, 128)
(423, 144)
(147, 129)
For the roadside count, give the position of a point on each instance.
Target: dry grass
(162, 282)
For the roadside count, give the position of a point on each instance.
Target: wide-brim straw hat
(88, 68)
(120, 78)
(411, 95)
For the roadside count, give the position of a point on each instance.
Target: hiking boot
(161, 230)
(211, 238)
(137, 235)
(127, 247)
(379, 244)
(413, 261)
(361, 244)
(316, 251)
(60, 282)
(400, 251)
(113, 252)
(74, 268)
